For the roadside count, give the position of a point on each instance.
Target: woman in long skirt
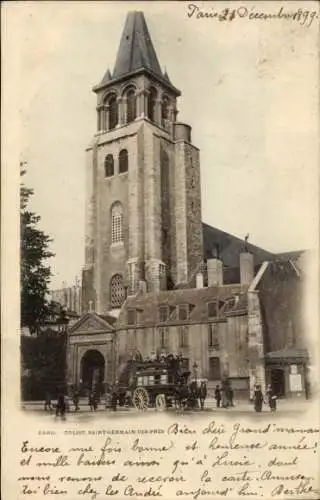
(272, 398)
(258, 399)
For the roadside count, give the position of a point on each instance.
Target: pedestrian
(114, 398)
(224, 397)
(61, 406)
(95, 401)
(75, 400)
(258, 398)
(107, 400)
(231, 395)
(67, 403)
(91, 401)
(217, 395)
(202, 394)
(272, 398)
(47, 402)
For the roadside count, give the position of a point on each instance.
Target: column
(157, 112)
(146, 102)
(145, 94)
(105, 119)
(140, 104)
(99, 117)
(121, 111)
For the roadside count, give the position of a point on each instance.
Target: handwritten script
(228, 460)
(301, 16)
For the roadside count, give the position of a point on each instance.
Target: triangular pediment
(91, 323)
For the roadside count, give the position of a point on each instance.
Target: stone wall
(193, 211)
(232, 351)
(281, 299)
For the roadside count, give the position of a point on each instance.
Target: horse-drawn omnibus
(160, 384)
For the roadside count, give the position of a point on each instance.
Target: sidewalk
(283, 405)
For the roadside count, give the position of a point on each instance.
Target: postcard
(160, 256)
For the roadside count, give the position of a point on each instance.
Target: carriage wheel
(140, 399)
(161, 402)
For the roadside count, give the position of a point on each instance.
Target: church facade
(156, 279)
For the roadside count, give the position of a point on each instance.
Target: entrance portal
(92, 370)
(278, 381)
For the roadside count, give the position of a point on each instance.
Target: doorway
(92, 370)
(278, 382)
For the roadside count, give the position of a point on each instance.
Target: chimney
(199, 280)
(246, 267)
(215, 268)
(215, 272)
(90, 305)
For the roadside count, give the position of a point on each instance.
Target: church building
(156, 278)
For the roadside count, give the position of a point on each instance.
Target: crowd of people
(62, 405)
(223, 395)
(270, 398)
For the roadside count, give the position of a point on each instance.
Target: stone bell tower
(143, 206)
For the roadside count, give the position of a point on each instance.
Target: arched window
(131, 105)
(164, 110)
(113, 111)
(117, 293)
(123, 161)
(117, 223)
(108, 166)
(152, 98)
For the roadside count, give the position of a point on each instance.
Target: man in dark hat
(258, 398)
(217, 395)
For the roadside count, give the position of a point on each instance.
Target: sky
(249, 91)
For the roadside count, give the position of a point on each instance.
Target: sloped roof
(289, 255)
(107, 77)
(111, 320)
(136, 50)
(149, 303)
(230, 247)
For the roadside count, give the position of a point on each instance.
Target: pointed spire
(136, 50)
(107, 77)
(165, 75)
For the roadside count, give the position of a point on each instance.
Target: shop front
(287, 373)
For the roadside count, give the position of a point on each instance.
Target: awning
(290, 354)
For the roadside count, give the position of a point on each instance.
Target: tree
(35, 272)
(43, 365)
